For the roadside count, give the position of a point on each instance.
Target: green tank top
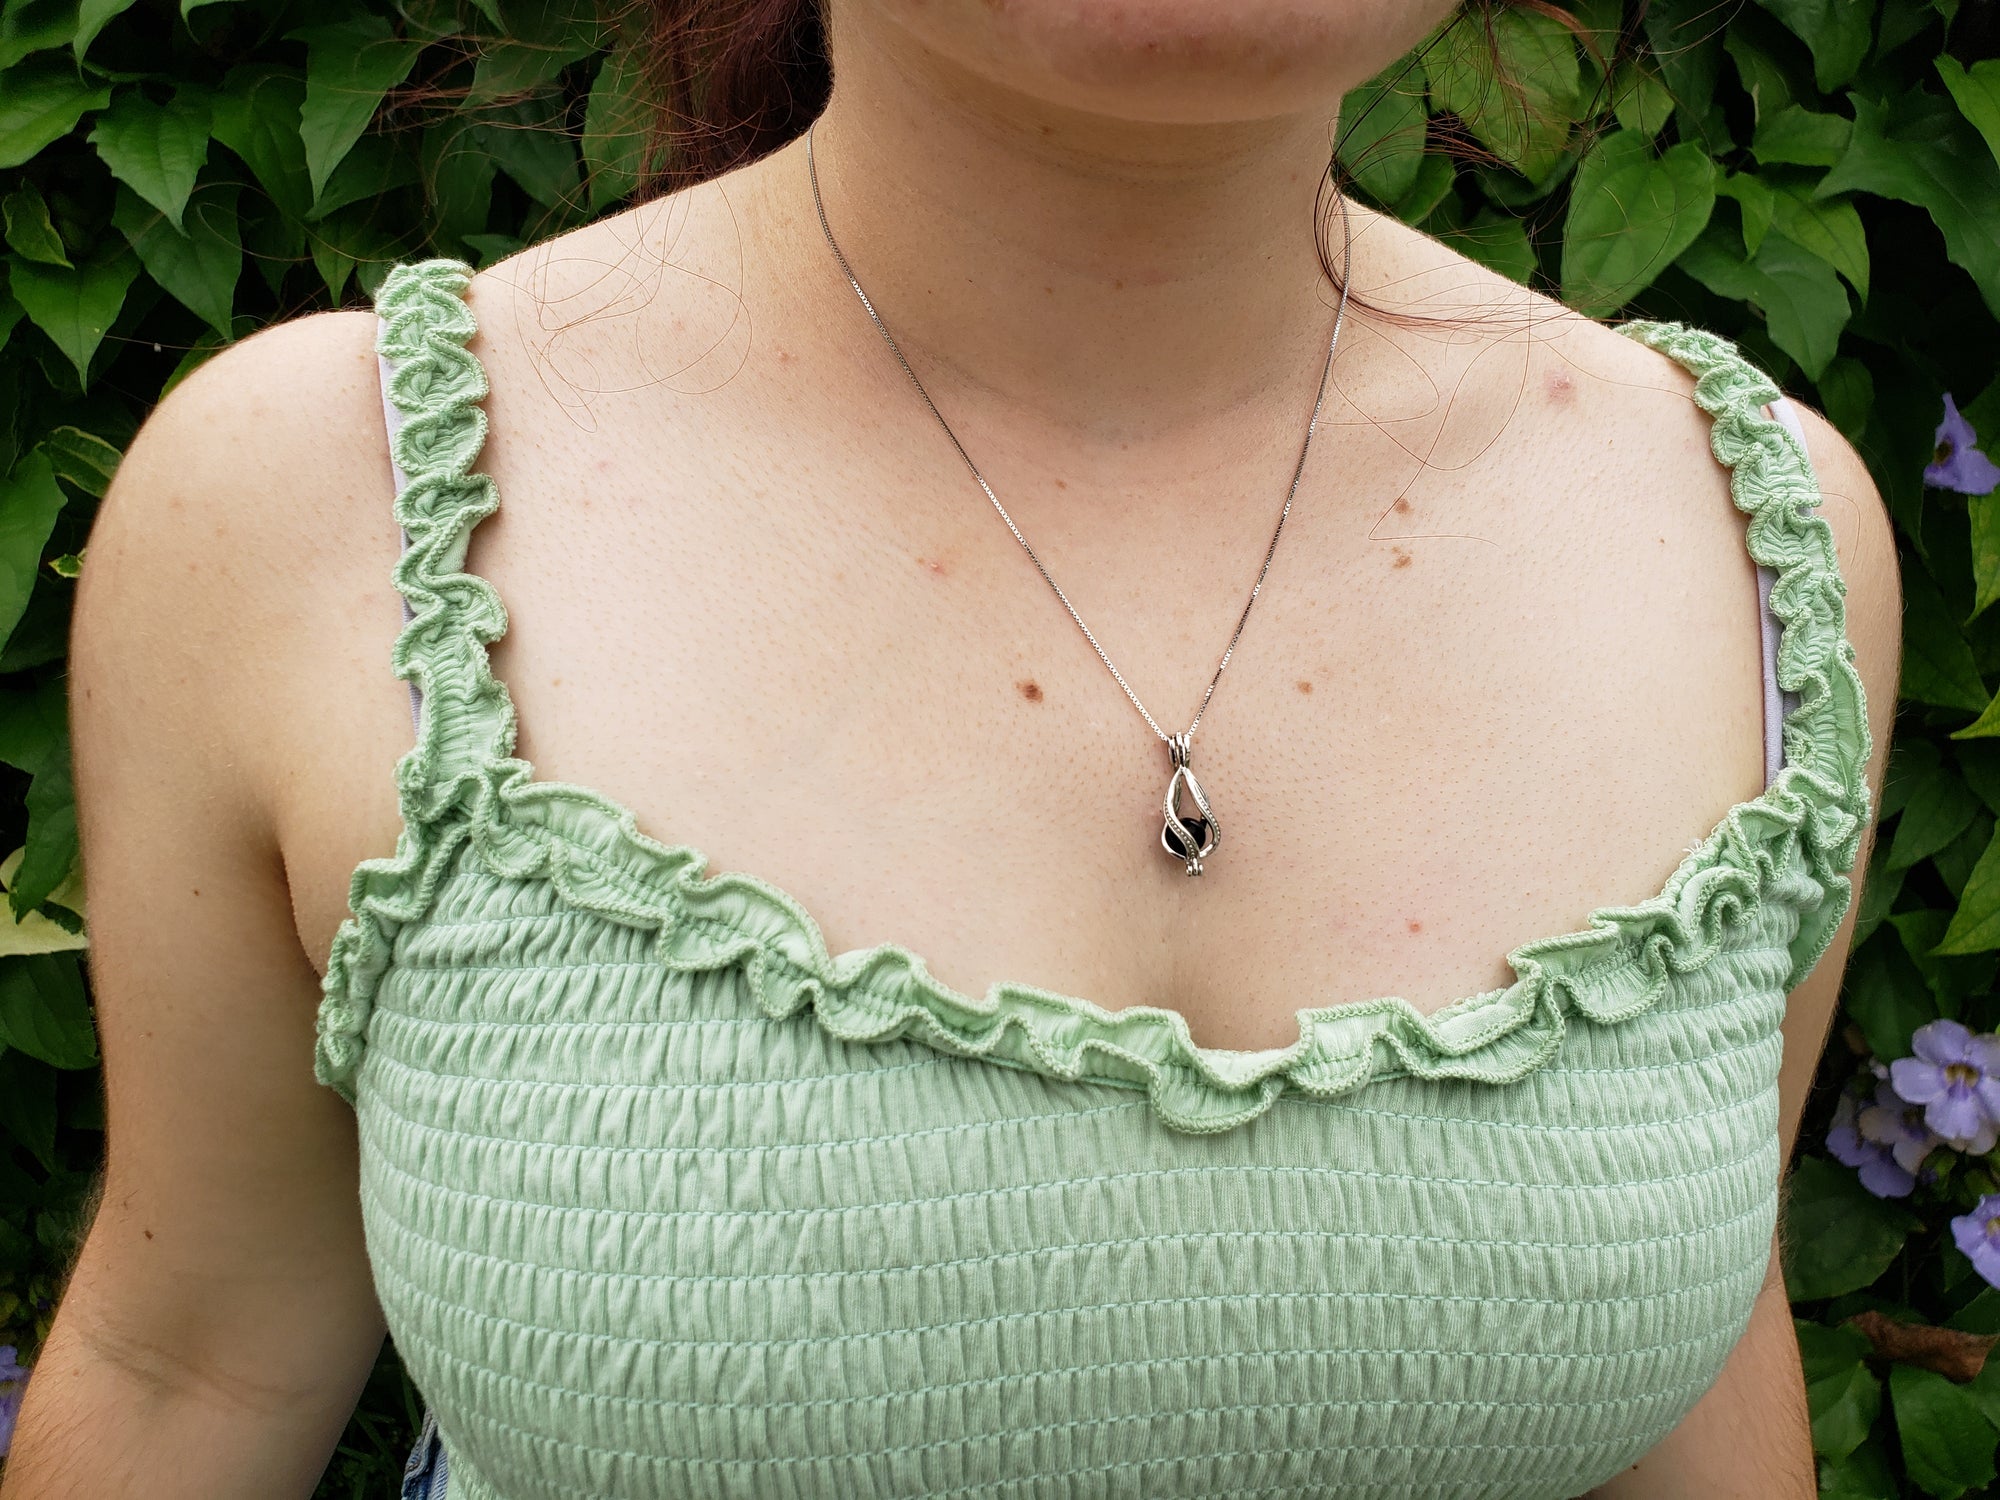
(664, 1199)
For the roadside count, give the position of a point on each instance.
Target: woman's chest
(635, 1235)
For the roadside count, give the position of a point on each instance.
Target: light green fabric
(663, 1199)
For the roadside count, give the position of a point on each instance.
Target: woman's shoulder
(1582, 405)
(248, 519)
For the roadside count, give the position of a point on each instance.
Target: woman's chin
(1194, 62)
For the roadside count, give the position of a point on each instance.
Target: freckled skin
(1402, 503)
(1305, 687)
(1032, 691)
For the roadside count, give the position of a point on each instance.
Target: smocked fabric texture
(664, 1199)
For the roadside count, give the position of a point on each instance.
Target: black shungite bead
(1196, 825)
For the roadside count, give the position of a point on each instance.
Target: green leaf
(1884, 993)
(1518, 95)
(1382, 127)
(1864, 1474)
(75, 308)
(349, 67)
(529, 144)
(1947, 1442)
(507, 69)
(200, 268)
(92, 16)
(1804, 305)
(1435, 176)
(1640, 100)
(29, 232)
(1977, 92)
(1631, 214)
(458, 179)
(1975, 926)
(34, 26)
(34, 737)
(1910, 760)
(1687, 43)
(1919, 149)
(1837, 1236)
(1984, 513)
(1940, 808)
(257, 117)
(203, 349)
(1759, 202)
(30, 501)
(1497, 241)
(1842, 1393)
(35, 933)
(1829, 227)
(1799, 137)
(43, 1010)
(1957, 860)
(28, 1105)
(82, 458)
(1952, 979)
(1847, 395)
(40, 103)
(377, 165)
(1837, 31)
(157, 150)
(345, 241)
(1937, 661)
(1763, 78)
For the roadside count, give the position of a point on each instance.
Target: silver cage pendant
(1187, 836)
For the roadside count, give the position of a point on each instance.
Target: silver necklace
(1189, 836)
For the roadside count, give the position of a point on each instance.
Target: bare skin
(1504, 669)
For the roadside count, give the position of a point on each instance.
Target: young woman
(739, 1014)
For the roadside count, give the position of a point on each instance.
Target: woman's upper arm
(221, 1317)
(1865, 542)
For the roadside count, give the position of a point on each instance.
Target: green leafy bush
(1819, 179)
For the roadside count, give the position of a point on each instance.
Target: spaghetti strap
(1778, 701)
(433, 386)
(392, 421)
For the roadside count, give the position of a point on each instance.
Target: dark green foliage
(1819, 179)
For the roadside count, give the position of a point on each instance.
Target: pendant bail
(1187, 836)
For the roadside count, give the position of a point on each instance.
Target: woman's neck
(1118, 278)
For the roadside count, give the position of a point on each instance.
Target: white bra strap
(392, 420)
(1777, 702)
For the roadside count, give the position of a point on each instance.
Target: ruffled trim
(466, 797)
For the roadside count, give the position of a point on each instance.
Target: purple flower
(1957, 464)
(1978, 1235)
(1899, 1124)
(1957, 1076)
(1880, 1170)
(13, 1378)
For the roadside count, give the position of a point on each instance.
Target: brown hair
(735, 79)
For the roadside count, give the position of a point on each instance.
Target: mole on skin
(1304, 686)
(1031, 690)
